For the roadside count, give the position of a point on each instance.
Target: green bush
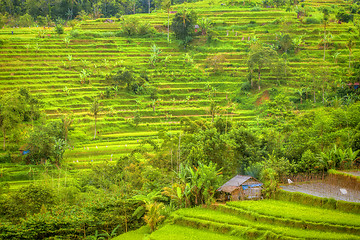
(5, 157)
(25, 20)
(59, 29)
(133, 27)
(312, 20)
(256, 9)
(28, 200)
(343, 16)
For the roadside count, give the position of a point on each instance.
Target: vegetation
(298, 211)
(112, 120)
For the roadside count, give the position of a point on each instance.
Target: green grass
(297, 211)
(201, 214)
(176, 232)
(138, 234)
(44, 73)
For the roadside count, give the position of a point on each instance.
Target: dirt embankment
(265, 96)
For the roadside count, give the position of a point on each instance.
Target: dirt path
(324, 190)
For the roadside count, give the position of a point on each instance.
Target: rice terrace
(189, 120)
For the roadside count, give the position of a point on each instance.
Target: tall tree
(260, 57)
(95, 110)
(66, 122)
(325, 20)
(166, 5)
(183, 24)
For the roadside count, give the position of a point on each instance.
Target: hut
(241, 187)
(24, 150)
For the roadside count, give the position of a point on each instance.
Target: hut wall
(235, 195)
(252, 193)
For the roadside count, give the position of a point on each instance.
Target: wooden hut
(241, 187)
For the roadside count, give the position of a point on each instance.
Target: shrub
(246, 86)
(25, 20)
(256, 9)
(312, 20)
(59, 29)
(41, 21)
(132, 27)
(216, 62)
(344, 16)
(6, 157)
(75, 33)
(28, 200)
(132, 81)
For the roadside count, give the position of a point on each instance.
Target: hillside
(42, 61)
(108, 123)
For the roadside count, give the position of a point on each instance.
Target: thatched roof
(234, 183)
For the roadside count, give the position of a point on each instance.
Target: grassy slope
(299, 212)
(235, 224)
(43, 66)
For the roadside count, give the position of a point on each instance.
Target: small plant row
(208, 219)
(329, 203)
(292, 220)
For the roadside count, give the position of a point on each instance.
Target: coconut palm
(95, 110)
(166, 5)
(153, 216)
(325, 20)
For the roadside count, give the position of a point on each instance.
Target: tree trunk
(314, 91)
(324, 40)
(168, 26)
(259, 75)
(149, 5)
(349, 59)
(179, 154)
(95, 128)
(4, 132)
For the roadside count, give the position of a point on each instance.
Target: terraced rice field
(260, 219)
(50, 68)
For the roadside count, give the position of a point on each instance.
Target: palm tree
(325, 19)
(297, 42)
(335, 56)
(95, 110)
(301, 93)
(67, 121)
(69, 57)
(205, 24)
(213, 110)
(184, 16)
(153, 216)
(166, 5)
